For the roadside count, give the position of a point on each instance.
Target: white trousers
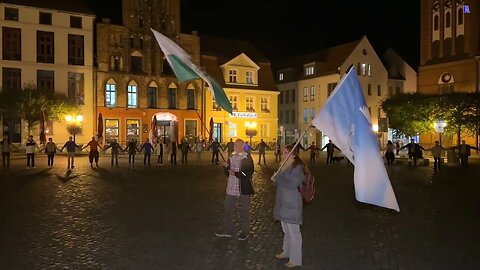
(292, 243)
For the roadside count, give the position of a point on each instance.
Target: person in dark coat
(6, 145)
(114, 152)
(148, 152)
(464, 151)
(414, 151)
(229, 147)
(173, 152)
(330, 150)
(185, 148)
(132, 150)
(262, 146)
(313, 152)
(215, 145)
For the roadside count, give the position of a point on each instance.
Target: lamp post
(74, 124)
(250, 130)
(439, 126)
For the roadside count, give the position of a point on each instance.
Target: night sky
(282, 30)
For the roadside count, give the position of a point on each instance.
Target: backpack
(307, 189)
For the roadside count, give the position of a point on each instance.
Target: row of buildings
(118, 71)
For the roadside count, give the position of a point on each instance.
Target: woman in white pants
(289, 206)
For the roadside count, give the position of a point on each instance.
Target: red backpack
(307, 189)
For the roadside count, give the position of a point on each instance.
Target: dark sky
(303, 26)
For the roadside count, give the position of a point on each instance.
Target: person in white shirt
(30, 148)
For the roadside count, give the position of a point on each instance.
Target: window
(264, 131)
(305, 94)
(191, 130)
(45, 18)
(45, 81)
(132, 95)
(11, 14)
(116, 63)
(136, 64)
(460, 17)
(249, 77)
(305, 115)
(447, 20)
(233, 130)
(152, 96)
(12, 43)
(287, 117)
(435, 23)
(75, 50)
(264, 105)
(281, 76)
(234, 102)
(11, 78)
(330, 88)
(309, 70)
(249, 104)
(312, 113)
(133, 130)
(293, 117)
(369, 70)
(215, 106)
(190, 98)
(280, 97)
(75, 22)
(232, 76)
(379, 90)
(172, 97)
(76, 90)
(287, 97)
(293, 95)
(312, 93)
(111, 130)
(45, 47)
(110, 94)
(369, 89)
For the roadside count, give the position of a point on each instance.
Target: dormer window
(249, 77)
(232, 76)
(281, 76)
(310, 70)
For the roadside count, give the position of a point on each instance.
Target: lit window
(312, 93)
(132, 91)
(264, 105)
(264, 131)
(309, 70)
(234, 102)
(232, 76)
(305, 94)
(249, 77)
(280, 76)
(233, 130)
(111, 130)
(305, 115)
(249, 104)
(312, 113)
(133, 130)
(110, 94)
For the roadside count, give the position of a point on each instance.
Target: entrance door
(217, 131)
(164, 132)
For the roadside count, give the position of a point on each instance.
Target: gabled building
(246, 76)
(48, 44)
(402, 78)
(314, 76)
(135, 83)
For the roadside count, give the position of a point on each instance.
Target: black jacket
(245, 174)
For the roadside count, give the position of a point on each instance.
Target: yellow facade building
(247, 78)
(51, 47)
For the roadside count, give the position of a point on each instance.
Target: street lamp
(74, 124)
(251, 130)
(439, 126)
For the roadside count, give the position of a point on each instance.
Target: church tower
(162, 15)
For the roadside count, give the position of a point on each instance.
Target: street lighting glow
(79, 118)
(375, 127)
(68, 118)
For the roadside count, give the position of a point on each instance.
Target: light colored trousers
(292, 242)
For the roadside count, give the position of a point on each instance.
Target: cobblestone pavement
(164, 217)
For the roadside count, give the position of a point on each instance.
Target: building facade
(135, 85)
(449, 50)
(402, 78)
(246, 76)
(49, 47)
(316, 75)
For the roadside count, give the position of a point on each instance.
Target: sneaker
(223, 235)
(280, 256)
(242, 237)
(290, 265)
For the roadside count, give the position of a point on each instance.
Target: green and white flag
(185, 70)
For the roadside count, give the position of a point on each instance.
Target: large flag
(345, 119)
(185, 70)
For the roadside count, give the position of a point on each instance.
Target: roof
(327, 61)
(216, 51)
(74, 6)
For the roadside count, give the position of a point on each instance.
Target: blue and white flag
(345, 119)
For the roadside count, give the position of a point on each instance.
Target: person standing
(414, 151)
(185, 148)
(397, 146)
(330, 150)
(132, 150)
(93, 155)
(173, 152)
(313, 152)
(389, 155)
(464, 152)
(30, 148)
(199, 146)
(239, 169)
(148, 152)
(262, 146)
(71, 147)
(114, 152)
(159, 150)
(6, 150)
(278, 152)
(229, 147)
(289, 206)
(215, 145)
(50, 150)
(437, 152)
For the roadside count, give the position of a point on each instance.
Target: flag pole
(203, 124)
(294, 147)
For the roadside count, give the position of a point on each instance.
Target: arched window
(460, 16)
(152, 95)
(116, 63)
(136, 62)
(132, 95)
(190, 97)
(111, 94)
(172, 96)
(447, 20)
(435, 23)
